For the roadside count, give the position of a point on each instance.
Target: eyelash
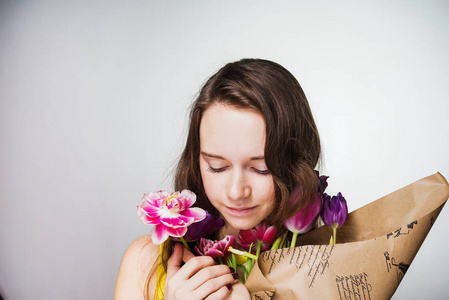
(219, 170)
(261, 172)
(214, 170)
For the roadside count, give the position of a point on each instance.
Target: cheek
(271, 199)
(264, 191)
(272, 195)
(210, 185)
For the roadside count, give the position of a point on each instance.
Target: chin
(243, 224)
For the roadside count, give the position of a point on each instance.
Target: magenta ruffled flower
(215, 249)
(170, 213)
(262, 233)
(335, 210)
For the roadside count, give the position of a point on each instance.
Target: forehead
(230, 131)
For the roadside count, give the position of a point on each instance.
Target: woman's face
(235, 177)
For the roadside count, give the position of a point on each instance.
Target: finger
(213, 285)
(208, 273)
(194, 265)
(187, 255)
(175, 260)
(220, 294)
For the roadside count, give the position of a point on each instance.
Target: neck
(228, 230)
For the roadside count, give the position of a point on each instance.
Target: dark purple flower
(207, 226)
(304, 220)
(335, 210)
(323, 182)
(262, 232)
(215, 249)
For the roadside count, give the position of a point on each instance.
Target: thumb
(187, 255)
(175, 260)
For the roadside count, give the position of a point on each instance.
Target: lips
(240, 211)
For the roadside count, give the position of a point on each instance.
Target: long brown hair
(292, 148)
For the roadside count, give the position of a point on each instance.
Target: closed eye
(261, 172)
(215, 170)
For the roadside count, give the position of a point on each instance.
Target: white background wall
(94, 98)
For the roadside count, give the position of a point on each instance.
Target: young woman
(252, 139)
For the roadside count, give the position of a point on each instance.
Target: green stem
(220, 261)
(246, 254)
(249, 267)
(334, 232)
(259, 247)
(284, 236)
(276, 243)
(293, 244)
(184, 243)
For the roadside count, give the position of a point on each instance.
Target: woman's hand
(198, 278)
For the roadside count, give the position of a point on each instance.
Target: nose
(238, 187)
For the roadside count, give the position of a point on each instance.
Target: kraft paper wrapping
(373, 252)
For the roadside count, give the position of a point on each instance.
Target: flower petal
(247, 237)
(259, 230)
(159, 234)
(155, 197)
(176, 232)
(176, 220)
(203, 228)
(146, 219)
(198, 251)
(304, 220)
(196, 213)
(214, 253)
(151, 210)
(187, 197)
(270, 235)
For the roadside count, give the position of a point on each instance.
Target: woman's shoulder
(136, 265)
(141, 248)
(141, 252)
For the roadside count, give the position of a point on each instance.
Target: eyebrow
(221, 157)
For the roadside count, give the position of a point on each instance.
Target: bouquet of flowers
(373, 252)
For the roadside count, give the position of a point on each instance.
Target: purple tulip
(323, 182)
(207, 226)
(215, 249)
(335, 210)
(262, 233)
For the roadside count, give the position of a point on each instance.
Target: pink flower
(215, 249)
(170, 213)
(304, 220)
(262, 232)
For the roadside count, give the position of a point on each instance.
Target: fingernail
(232, 269)
(229, 286)
(235, 275)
